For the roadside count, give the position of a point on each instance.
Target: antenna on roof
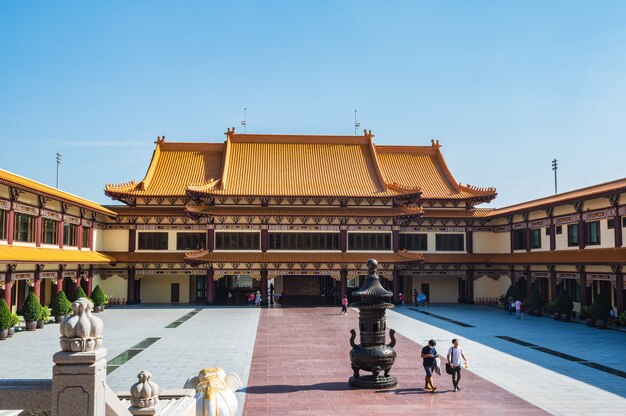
(554, 168)
(356, 123)
(244, 122)
(58, 163)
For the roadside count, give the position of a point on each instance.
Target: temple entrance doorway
(306, 290)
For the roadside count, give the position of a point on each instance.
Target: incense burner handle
(352, 338)
(392, 336)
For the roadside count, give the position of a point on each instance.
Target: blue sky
(505, 86)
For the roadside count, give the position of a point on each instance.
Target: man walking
(455, 353)
(518, 309)
(429, 354)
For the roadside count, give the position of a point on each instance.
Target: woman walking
(429, 354)
(455, 353)
(344, 305)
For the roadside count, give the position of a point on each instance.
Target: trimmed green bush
(564, 304)
(32, 308)
(60, 305)
(98, 297)
(80, 293)
(585, 312)
(511, 293)
(622, 318)
(535, 301)
(600, 309)
(5, 316)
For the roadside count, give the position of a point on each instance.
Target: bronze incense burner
(372, 355)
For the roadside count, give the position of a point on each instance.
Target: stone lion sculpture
(216, 392)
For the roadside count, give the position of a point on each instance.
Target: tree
(600, 309)
(564, 304)
(32, 308)
(80, 293)
(535, 302)
(60, 305)
(5, 316)
(98, 296)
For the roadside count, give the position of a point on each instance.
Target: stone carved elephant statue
(216, 392)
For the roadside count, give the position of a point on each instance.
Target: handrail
(25, 394)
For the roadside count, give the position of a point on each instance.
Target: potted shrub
(600, 311)
(5, 319)
(622, 318)
(14, 321)
(79, 293)
(99, 299)
(535, 302)
(31, 311)
(60, 307)
(564, 305)
(585, 314)
(44, 316)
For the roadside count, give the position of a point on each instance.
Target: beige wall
(113, 240)
(115, 286)
(486, 242)
(485, 287)
(157, 289)
(442, 289)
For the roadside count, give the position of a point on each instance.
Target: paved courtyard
(295, 360)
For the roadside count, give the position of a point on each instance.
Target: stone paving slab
(301, 366)
(558, 386)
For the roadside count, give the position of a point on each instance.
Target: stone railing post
(79, 373)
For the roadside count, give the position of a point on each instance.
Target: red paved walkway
(301, 366)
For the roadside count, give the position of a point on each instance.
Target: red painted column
(553, 285)
(210, 286)
(461, 290)
(10, 225)
(59, 287)
(264, 286)
(395, 240)
(89, 280)
(469, 285)
(343, 284)
(211, 239)
(79, 239)
(130, 286)
(91, 233)
(619, 288)
(8, 285)
(528, 238)
(265, 239)
(617, 228)
(343, 239)
(529, 283)
(469, 241)
(132, 237)
(585, 293)
(396, 285)
(37, 280)
(552, 235)
(61, 232)
(582, 238)
(38, 229)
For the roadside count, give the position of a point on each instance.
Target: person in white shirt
(455, 353)
(518, 309)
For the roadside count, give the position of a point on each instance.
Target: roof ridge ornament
(230, 133)
(160, 141)
(435, 144)
(368, 134)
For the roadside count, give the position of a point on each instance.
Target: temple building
(298, 216)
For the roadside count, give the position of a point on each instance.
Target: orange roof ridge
(226, 157)
(143, 185)
(372, 151)
(298, 139)
(10, 178)
(403, 188)
(207, 186)
(472, 188)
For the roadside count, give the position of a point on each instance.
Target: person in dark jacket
(429, 354)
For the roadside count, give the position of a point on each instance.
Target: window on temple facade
(592, 232)
(85, 237)
(572, 235)
(70, 235)
(535, 238)
(413, 242)
(3, 224)
(304, 241)
(152, 241)
(610, 223)
(369, 241)
(237, 241)
(242, 281)
(49, 231)
(190, 241)
(24, 228)
(519, 239)
(559, 229)
(623, 222)
(572, 288)
(449, 242)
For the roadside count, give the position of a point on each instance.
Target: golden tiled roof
(284, 165)
(303, 212)
(424, 166)
(20, 254)
(28, 185)
(599, 256)
(457, 213)
(300, 257)
(616, 186)
(145, 257)
(172, 168)
(147, 210)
